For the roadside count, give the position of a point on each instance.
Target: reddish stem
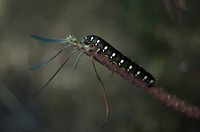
(159, 94)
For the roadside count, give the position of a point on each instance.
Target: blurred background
(161, 36)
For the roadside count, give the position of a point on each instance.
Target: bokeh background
(162, 36)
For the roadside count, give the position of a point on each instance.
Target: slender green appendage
(49, 60)
(71, 40)
(48, 40)
(39, 90)
(78, 59)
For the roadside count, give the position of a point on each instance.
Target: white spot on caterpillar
(151, 81)
(130, 67)
(105, 48)
(99, 41)
(138, 73)
(145, 77)
(91, 38)
(122, 61)
(113, 55)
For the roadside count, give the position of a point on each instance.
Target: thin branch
(157, 92)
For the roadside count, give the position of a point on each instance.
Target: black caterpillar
(118, 58)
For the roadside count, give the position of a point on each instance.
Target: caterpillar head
(91, 41)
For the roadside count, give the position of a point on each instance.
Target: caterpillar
(97, 44)
(119, 59)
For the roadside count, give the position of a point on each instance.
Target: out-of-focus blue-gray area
(161, 36)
